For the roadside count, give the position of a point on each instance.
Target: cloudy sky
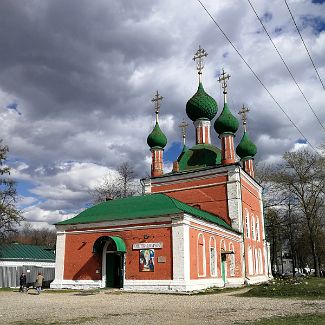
(77, 78)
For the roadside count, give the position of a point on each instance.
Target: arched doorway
(112, 250)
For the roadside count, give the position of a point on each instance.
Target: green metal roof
(26, 252)
(246, 149)
(226, 122)
(156, 139)
(201, 155)
(137, 207)
(201, 105)
(182, 153)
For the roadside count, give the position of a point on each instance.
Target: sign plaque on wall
(161, 259)
(147, 245)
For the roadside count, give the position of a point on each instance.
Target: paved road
(115, 307)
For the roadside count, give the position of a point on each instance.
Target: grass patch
(293, 320)
(86, 293)
(59, 291)
(216, 290)
(79, 320)
(76, 292)
(30, 322)
(303, 288)
(8, 289)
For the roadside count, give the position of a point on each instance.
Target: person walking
(39, 282)
(22, 282)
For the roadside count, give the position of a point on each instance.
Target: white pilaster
(146, 186)
(103, 284)
(59, 259)
(234, 199)
(181, 250)
(262, 212)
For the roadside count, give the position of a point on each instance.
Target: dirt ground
(116, 307)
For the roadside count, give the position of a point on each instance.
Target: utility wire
(312, 62)
(256, 76)
(282, 59)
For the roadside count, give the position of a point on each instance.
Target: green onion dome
(246, 149)
(156, 139)
(201, 106)
(226, 122)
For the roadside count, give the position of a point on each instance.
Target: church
(200, 225)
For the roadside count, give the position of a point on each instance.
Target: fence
(9, 275)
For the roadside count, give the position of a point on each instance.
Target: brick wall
(81, 264)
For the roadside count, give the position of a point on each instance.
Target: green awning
(100, 242)
(120, 245)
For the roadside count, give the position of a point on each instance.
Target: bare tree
(294, 206)
(117, 185)
(278, 213)
(267, 176)
(126, 180)
(10, 216)
(304, 173)
(273, 225)
(33, 236)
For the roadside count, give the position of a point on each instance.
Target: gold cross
(223, 80)
(198, 57)
(156, 100)
(243, 112)
(183, 126)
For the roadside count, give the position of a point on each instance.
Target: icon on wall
(147, 260)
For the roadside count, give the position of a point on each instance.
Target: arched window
(257, 229)
(260, 262)
(232, 260)
(222, 245)
(201, 261)
(256, 261)
(213, 257)
(250, 261)
(223, 249)
(253, 227)
(247, 223)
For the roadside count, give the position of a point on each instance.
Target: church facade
(200, 225)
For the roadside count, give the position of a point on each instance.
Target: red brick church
(200, 225)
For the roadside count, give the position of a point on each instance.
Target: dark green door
(114, 274)
(223, 267)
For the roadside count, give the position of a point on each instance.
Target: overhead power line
(256, 76)
(285, 64)
(312, 62)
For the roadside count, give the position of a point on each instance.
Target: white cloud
(26, 201)
(299, 146)
(85, 82)
(66, 190)
(36, 215)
